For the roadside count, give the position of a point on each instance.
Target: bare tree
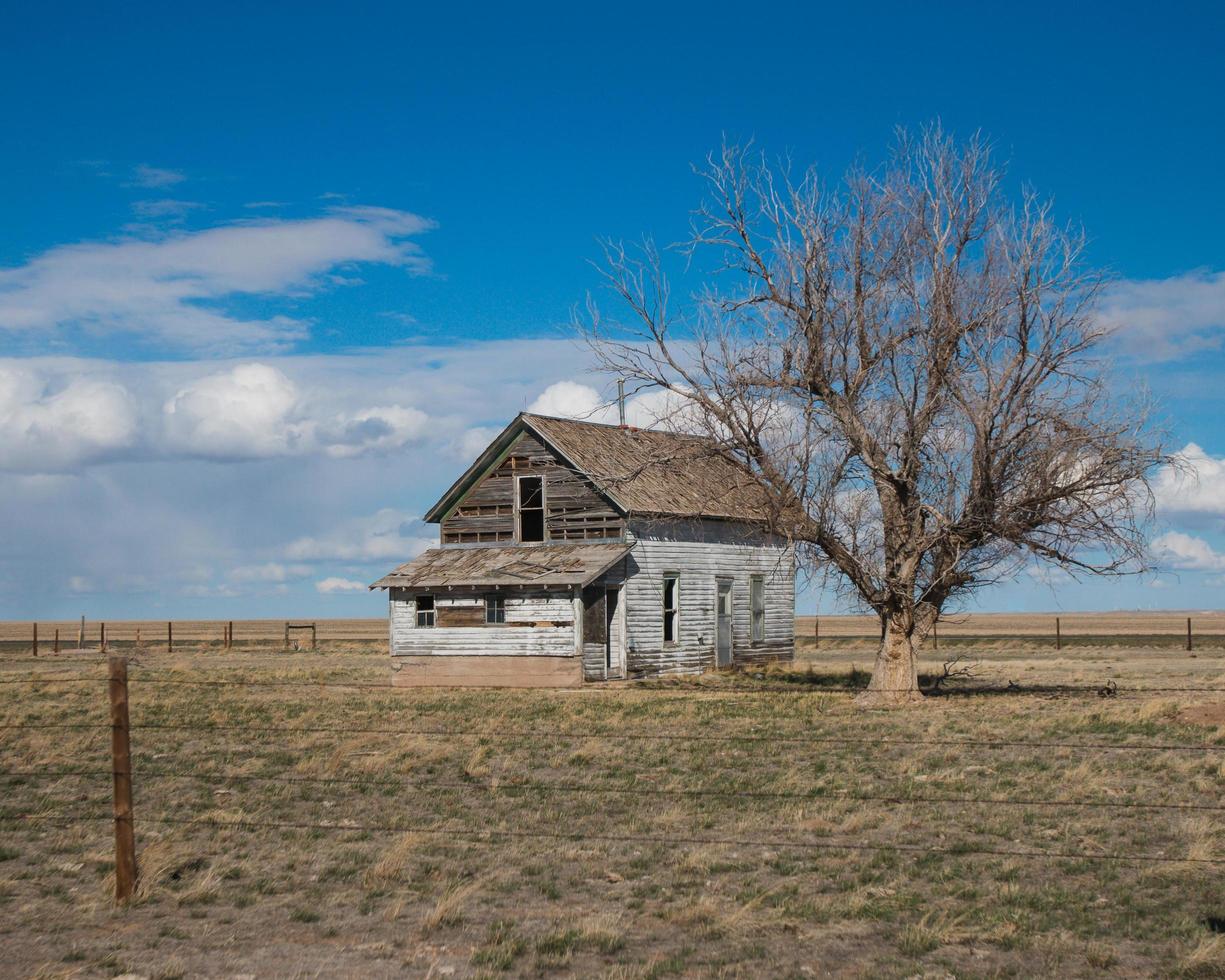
(909, 365)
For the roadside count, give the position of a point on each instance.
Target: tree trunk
(895, 677)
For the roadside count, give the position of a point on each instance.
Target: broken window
(671, 608)
(531, 508)
(425, 610)
(757, 608)
(495, 609)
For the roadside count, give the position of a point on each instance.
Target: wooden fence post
(313, 644)
(935, 637)
(816, 632)
(286, 636)
(57, 639)
(169, 637)
(1058, 637)
(36, 639)
(102, 637)
(1188, 632)
(81, 635)
(121, 767)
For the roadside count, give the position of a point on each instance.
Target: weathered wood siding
(537, 624)
(594, 621)
(701, 552)
(575, 510)
(453, 671)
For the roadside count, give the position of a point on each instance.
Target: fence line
(482, 835)
(1109, 690)
(632, 736)
(559, 787)
(122, 776)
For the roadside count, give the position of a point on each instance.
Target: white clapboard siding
(701, 552)
(407, 639)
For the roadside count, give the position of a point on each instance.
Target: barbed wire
(759, 737)
(558, 787)
(482, 836)
(1109, 689)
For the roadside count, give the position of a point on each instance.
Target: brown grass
(340, 900)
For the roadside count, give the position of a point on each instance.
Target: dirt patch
(1211, 714)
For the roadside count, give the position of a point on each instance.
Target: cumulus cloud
(1168, 318)
(1183, 551)
(1194, 490)
(256, 411)
(655, 409)
(333, 584)
(388, 535)
(45, 428)
(571, 400)
(472, 442)
(170, 290)
(242, 413)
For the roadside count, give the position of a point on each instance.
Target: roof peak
(616, 427)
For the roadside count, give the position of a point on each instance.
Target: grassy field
(776, 831)
(1034, 630)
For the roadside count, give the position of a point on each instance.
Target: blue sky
(269, 273)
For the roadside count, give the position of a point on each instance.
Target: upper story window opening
(529, 503)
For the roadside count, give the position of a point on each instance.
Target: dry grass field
(1165, 628)
(290, 827)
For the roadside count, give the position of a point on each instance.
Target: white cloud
(655, 409)
(255, 411)
(146, 176)
(472, 442)
(387, 535)
(1185, 552)
(1195, 488)
(50, 429)
(165, 208)
(1049, 575)
(330, 585)
(242, 413)
(373, 430)
(167, 290)
(268, 572)
(571, 400)
(1169, 318)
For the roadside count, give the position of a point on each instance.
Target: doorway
(614, 665)
(723, 622)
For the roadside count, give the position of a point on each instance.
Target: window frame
(543, 508)
(757, 609)
(495, 604)
(431, 613)
(674, 610)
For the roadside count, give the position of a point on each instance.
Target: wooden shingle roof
(554, 565)
(641, 471)
(647, 471)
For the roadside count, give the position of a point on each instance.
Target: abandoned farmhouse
(573, 552)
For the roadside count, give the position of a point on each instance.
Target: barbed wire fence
(122, 776)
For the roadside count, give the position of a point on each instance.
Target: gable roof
(640, 471)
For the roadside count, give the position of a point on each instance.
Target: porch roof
(540, 566)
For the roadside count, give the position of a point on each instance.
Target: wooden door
(723, 623)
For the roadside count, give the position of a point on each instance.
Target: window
(495, 609)
(671, 608)
(425, 610)
(757, 608)
(531, 508)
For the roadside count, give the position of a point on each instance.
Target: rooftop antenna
(621, 400)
